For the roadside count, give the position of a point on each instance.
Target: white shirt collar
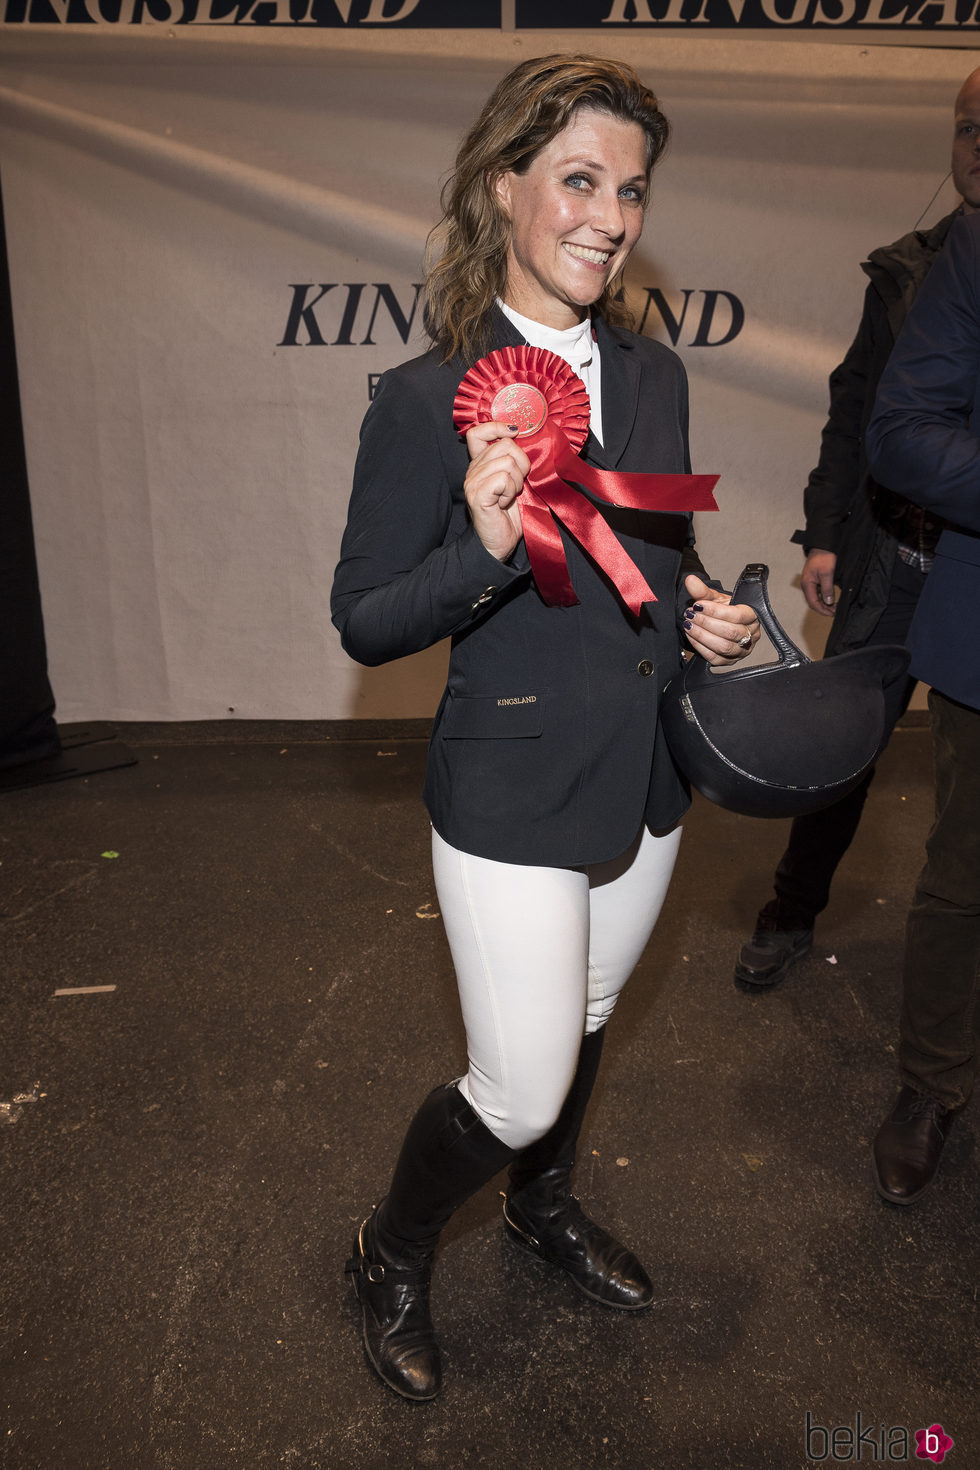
(573, 344)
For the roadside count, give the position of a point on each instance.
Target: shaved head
(969, 89)
(965, 164)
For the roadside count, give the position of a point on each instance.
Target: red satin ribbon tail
(545, 552)
(593, 533)
(671, 493)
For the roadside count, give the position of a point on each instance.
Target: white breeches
(541, 956)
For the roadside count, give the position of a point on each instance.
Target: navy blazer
(920, 441)
(545, 747)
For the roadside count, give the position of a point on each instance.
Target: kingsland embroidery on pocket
(516, 716)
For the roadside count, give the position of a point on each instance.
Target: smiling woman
(575, 215)
(530, 108)
(554, 804)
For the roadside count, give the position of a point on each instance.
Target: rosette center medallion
(520, 404)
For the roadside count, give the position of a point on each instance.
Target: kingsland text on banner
(868, 16)
(915, 18)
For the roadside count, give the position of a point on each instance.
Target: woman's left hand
(722, 633)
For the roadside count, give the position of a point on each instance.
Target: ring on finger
(745, 642)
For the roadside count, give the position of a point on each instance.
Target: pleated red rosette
(538, 391)
(525, 386)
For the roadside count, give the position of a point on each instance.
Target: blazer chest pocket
(492, 717)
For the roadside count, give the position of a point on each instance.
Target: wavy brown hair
(529, 108)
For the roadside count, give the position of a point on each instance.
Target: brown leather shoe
(909, 1144)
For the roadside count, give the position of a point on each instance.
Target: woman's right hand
(493, 482)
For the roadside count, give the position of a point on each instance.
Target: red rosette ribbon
(538, 391)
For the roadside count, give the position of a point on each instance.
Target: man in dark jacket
(877, 546)
(924, 438)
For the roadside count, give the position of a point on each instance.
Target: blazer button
(645, 668)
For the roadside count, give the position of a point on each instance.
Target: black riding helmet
(781, 739)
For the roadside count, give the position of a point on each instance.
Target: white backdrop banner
(215, 242)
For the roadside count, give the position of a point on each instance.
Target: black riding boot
(542, 1215)
(448, 1153)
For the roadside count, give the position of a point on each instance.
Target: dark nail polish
(697, 607)
(513, 428)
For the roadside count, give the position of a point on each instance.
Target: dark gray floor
(192, 1151)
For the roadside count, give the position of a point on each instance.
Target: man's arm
(828, 500)
(919, 440)
(833, 484)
